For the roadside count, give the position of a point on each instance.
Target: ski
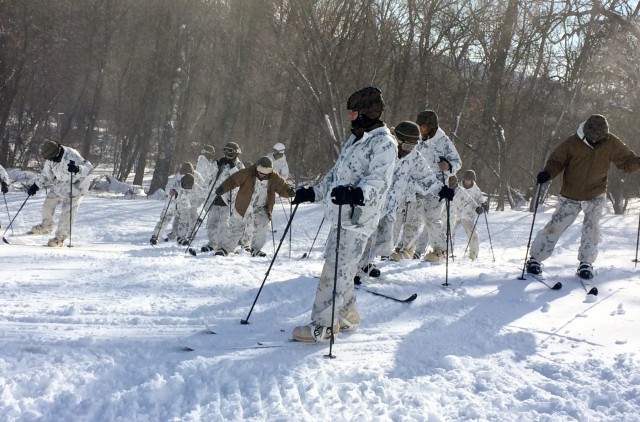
(593, 291)
(556, 286)
(373, 292)
(259, 345)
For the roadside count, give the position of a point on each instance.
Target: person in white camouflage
(219, 213)
(4, 182)
(169, 212)
(359, 179)
(279, 160)
(281, 167)
(186, 194)
(466, 207)
(257, 188)
(444, 161)
(62, 163)
(411, 176)
(206, 163)
(584, 159)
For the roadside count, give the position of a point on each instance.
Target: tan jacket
(246, 180)
(585, 167)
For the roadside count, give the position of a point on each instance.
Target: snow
(91, 333)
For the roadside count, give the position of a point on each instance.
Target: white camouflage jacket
(224, 171)
(56, 176)
(4, 176)
(174, 183)
(412, 175)
(367, 164)
(466, 201)
(207, 169)
(432, 149)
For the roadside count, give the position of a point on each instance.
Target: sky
(97, 331)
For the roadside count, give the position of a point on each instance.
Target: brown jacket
(585, 168)
(246, 180)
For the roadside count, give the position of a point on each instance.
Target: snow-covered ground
(91, 333)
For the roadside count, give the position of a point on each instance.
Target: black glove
(446, 193)
(72, 167)
(479, 210)
(543, 177)
(219, 191)
(218, 201)
(304, 195)
(32, 189)
(347, 195)
(444, 160)
(5, 187)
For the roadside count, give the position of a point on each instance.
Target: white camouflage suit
(368, 164)
(183, 218)
(411, 176)
(56, 178)
(218, 216)
(427, 209)
(463, 213)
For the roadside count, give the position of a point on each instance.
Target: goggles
(407, 146)
(229, 151)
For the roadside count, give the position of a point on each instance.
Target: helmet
(232, 148)
(208, 149)
(49, 149)
(279, 147)
(367, 101)
(264, 165)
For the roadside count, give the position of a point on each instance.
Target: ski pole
(201, 217)
(9, 215)
(4, 239)
(446, 269)
(637, 241)
(196, 227)
(305, 255)
(335, 283)
(164, 215)
(535, 210)
(70, 203)
(273, 235)
(489, 233)
(290, 231)
(473, 230)
(286, 229)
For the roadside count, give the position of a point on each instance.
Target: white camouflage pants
(351, 248)
(217, 220)
(231, 233)
(564, 215)
(258, 224)
(426, 210)
(380, 242)
(67, 213)
(472, 234)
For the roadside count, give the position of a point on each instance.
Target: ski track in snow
(90, 333)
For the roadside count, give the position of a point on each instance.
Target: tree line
(144, 84)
